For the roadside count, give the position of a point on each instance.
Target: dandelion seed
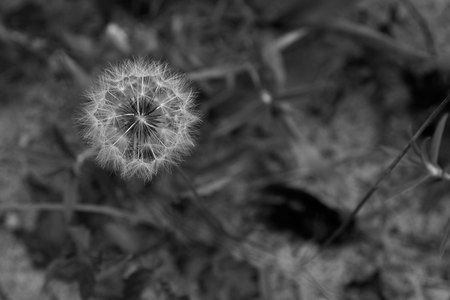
(141, 118)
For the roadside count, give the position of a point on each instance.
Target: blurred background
(303, 104)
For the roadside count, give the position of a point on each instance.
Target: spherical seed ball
(141, 117)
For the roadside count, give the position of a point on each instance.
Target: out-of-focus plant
(429, 160)
(426, 156)
(429, 150)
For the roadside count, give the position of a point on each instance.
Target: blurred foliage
(303, 94)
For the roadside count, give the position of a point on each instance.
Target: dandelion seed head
(141, 116)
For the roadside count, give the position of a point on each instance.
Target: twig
(387, 172)
(382, 177)
(401, 191)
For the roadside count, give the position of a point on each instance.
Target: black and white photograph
(224, 150)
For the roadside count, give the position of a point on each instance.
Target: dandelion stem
(385, 174)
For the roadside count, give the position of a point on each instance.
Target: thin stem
(384, 175)
(89, 208)
(423, 25)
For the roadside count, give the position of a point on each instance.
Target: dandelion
(141, 117)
